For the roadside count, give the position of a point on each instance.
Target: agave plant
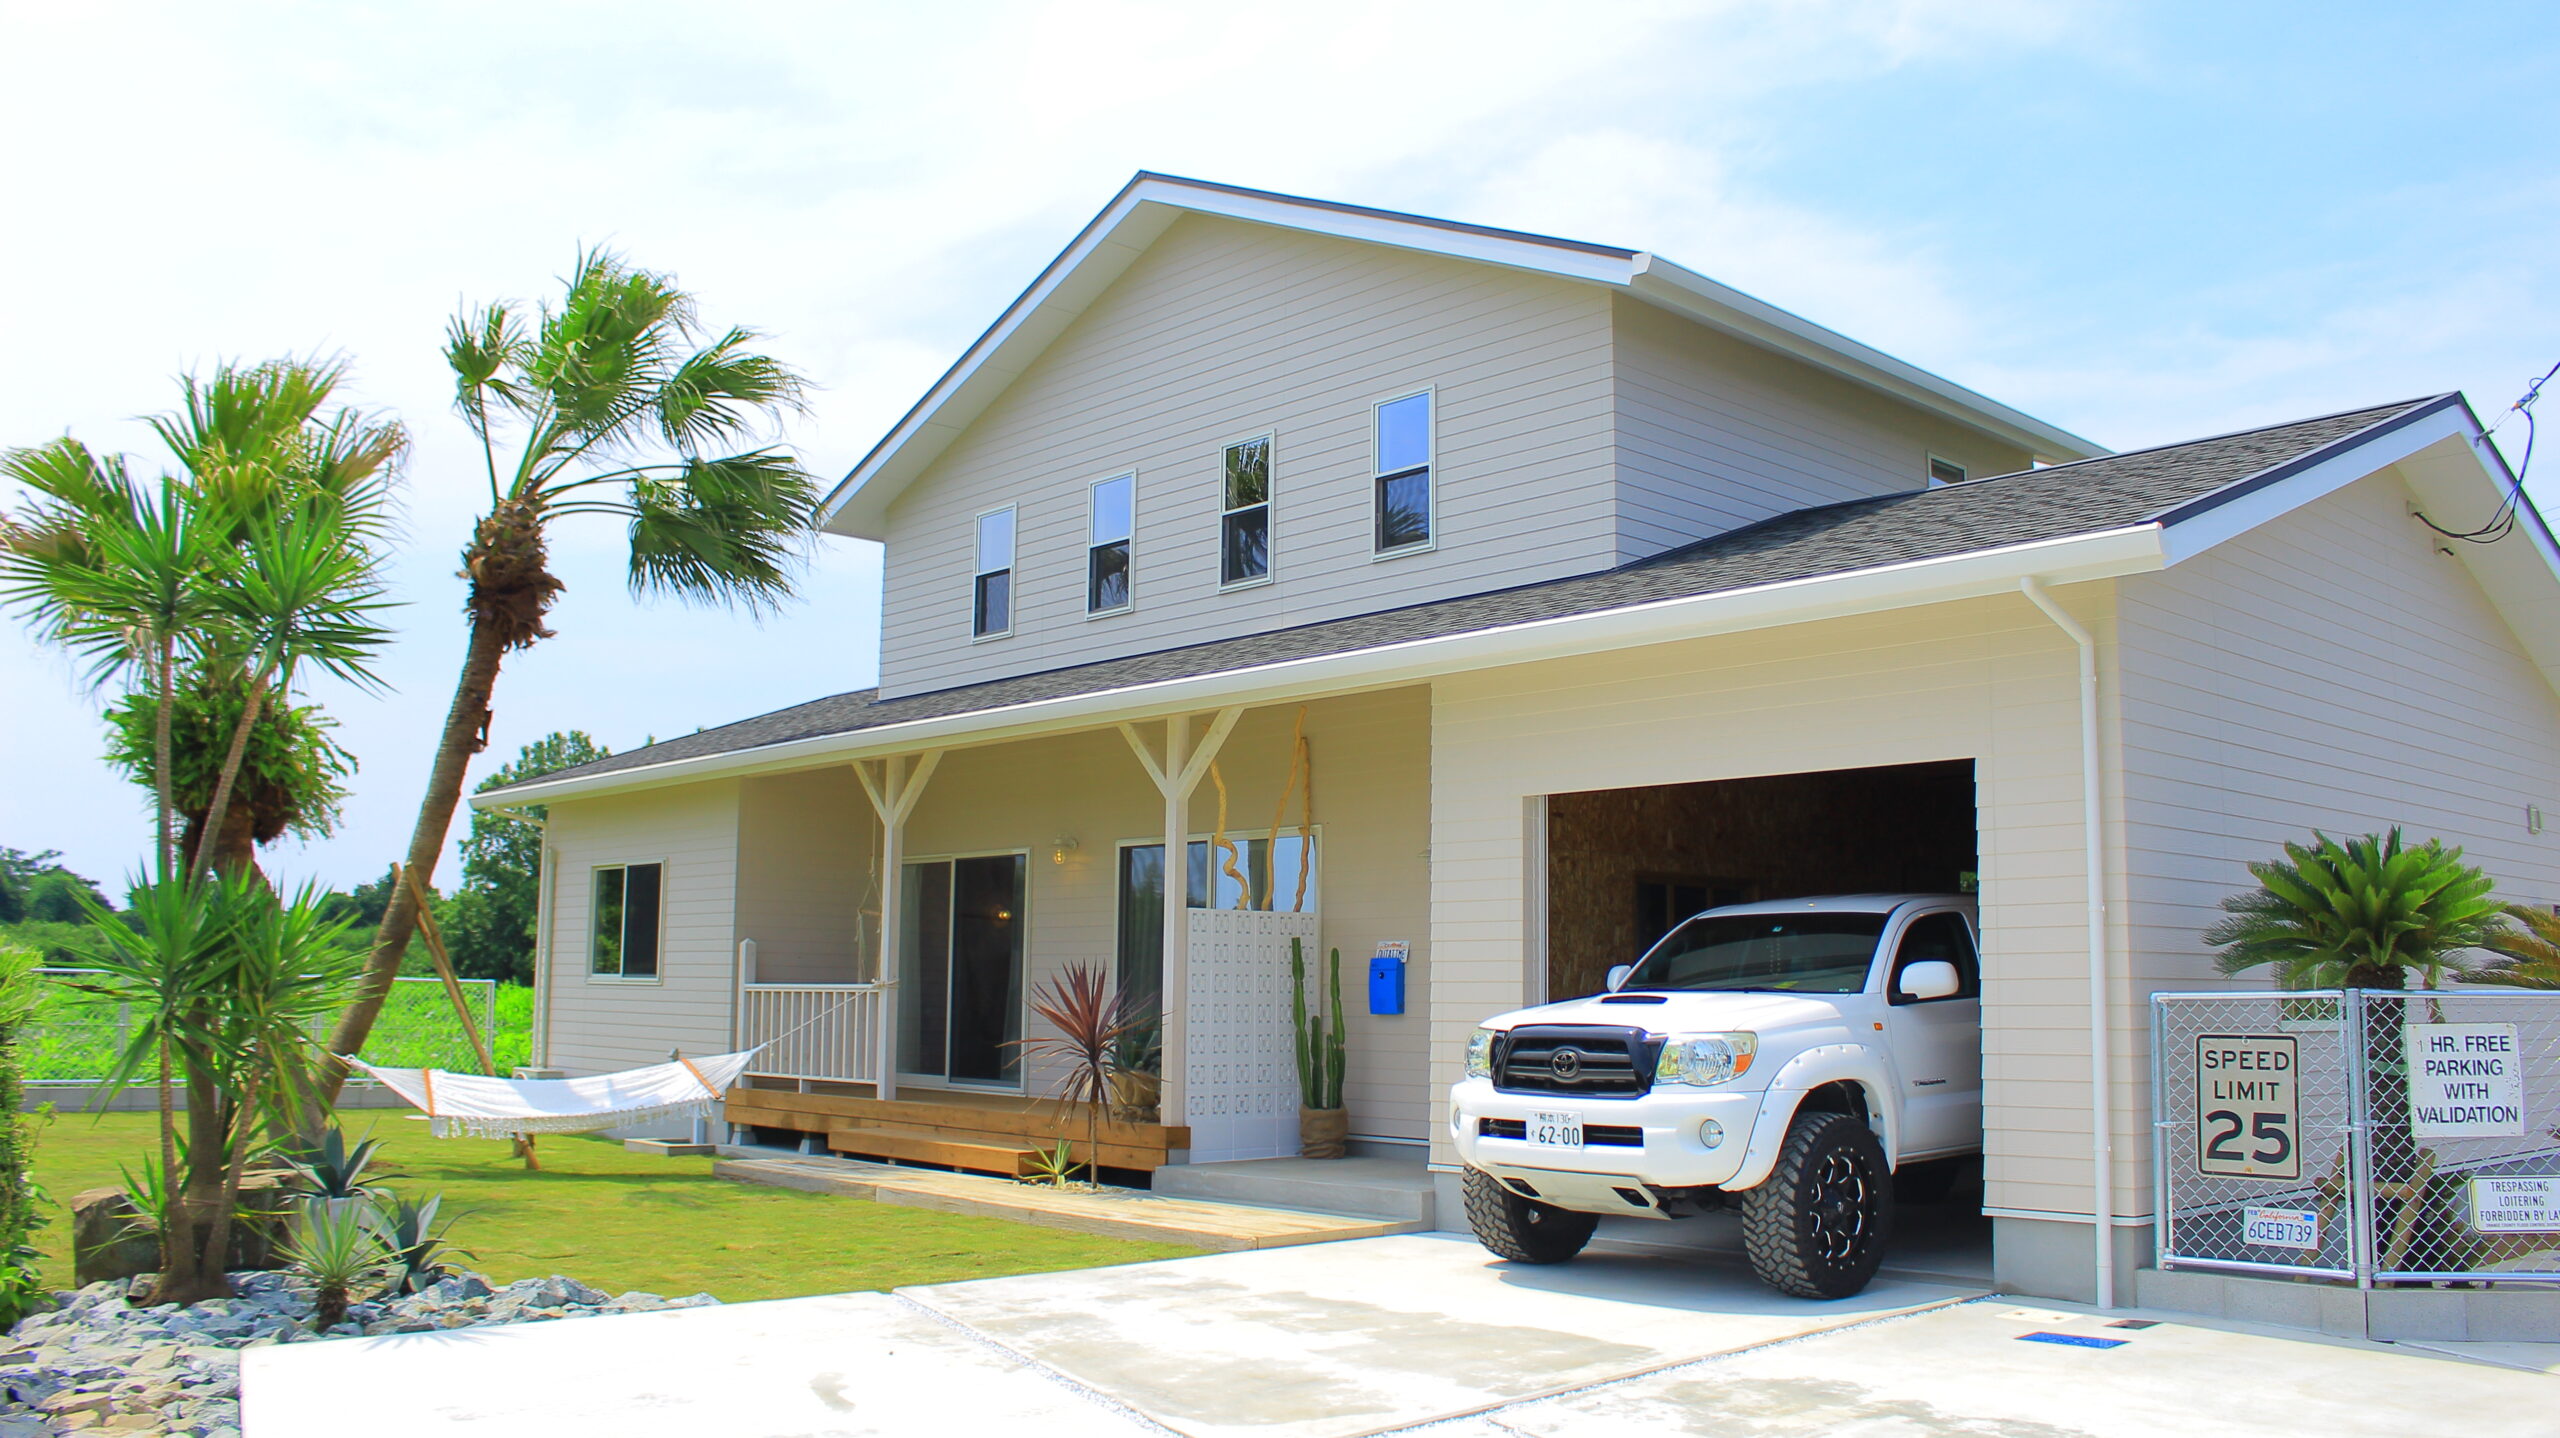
(336, 1247)
(415, 1248)
(333, 1169)
(1087, 1018)
(2362, 914)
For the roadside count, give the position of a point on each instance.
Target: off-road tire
(1818, 1226)
(1523, 1229)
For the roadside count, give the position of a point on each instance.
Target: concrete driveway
(1377, 1336)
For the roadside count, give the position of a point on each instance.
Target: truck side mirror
(1618, 975)
(1930, 979)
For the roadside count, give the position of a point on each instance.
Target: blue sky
(2142, 222)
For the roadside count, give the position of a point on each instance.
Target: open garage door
(1624, 865)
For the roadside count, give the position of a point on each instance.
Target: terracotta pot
(1135, 1097)
(1323, 1132)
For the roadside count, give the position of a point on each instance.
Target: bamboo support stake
(436, 953)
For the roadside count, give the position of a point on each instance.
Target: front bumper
(1668, 1152)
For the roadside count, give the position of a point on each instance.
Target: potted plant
(1137, 1068)
(1324, 1127)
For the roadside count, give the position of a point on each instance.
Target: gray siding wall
(1714, 433)
(1223, 330)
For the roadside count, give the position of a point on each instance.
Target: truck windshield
(1809, 953)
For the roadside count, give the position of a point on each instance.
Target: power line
(2502, 522)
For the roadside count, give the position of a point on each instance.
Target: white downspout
(2102, 1204)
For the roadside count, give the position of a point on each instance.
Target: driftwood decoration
(1306, 818)
(1219, 843)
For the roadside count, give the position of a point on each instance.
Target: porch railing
(812, 1031)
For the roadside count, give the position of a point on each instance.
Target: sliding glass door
(1247, 874)
(960, 1000)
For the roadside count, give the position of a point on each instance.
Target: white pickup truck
(1783, 1059)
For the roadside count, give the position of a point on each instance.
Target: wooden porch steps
(915, 1145)
(987, 1134)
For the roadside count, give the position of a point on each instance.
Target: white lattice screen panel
(1243, 1081)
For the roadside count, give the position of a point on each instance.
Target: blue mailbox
(1386, 980)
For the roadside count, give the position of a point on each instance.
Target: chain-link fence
(2378, 1136)
(75, 1037)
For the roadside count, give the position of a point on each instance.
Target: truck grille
(1586, 1060)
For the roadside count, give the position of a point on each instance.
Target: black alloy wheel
(1817, 1227)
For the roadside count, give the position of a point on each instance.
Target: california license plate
(1556, 1130)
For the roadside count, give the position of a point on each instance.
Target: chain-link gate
(2366, 1135)
(74, 1037)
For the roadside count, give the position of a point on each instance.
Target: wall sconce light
(1061, 847)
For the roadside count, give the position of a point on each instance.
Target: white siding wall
(1223, 330)
(1990, 679)
(2329, 670)
(808, 846)
(1714, 433)
(599, 1025)
(1372, 792)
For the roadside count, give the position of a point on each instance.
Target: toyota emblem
(1566, 1064)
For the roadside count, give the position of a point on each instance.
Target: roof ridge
(2394, 408)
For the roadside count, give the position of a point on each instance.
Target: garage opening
(1626, 865)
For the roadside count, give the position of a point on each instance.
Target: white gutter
(1974, 574)
(2102, 1204)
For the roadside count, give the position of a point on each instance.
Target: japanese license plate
(1556, 1130)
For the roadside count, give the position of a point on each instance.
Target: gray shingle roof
(2058, 502)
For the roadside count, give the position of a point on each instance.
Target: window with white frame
(624, 943)
(1404, 473)
(1944, 472)
(1244, 524)
(1112, 518)
(992, 606)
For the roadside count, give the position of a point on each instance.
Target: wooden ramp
(990, 1133)
(1121, 1213)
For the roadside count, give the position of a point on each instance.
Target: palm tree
(259, 559)
(618, 404)
(2530, 956)
(2362, 914)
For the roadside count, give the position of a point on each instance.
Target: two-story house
(1483, 602)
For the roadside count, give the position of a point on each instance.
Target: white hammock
(471, 1105)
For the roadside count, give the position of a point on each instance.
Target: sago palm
(2529, 955)
(2362, 914)
(614, 402)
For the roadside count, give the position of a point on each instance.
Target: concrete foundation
(2052, 1258)
(2398, 1315)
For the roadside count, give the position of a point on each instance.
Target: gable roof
(1149, 204)
(2115, 515)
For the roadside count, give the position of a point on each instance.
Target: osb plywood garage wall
(1906, 827)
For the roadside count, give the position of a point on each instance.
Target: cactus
(1319, 1048)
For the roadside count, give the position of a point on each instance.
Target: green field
(75, 1036)
(622, 1221)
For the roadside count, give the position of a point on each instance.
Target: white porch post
(1175, 778)
(894, 792)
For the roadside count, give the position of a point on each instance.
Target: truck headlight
(1480, 1054)
(1703, 1059)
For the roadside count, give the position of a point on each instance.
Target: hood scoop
(1633, 999)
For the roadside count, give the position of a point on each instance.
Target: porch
(894, 922)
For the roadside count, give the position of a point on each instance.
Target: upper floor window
(1943, 471)
(992, 613)
(1244, 527)
(624, 944)
(1404, 473)
(1106, 558)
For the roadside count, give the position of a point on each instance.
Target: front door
(960, 1000)
(1937, 1043)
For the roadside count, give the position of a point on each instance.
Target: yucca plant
(1087, 1019)
(334, 1169)
(2362, 914)
(335, 1247)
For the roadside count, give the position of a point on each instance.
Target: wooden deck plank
(1042, 1120)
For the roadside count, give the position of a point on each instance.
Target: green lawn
(622, 1221)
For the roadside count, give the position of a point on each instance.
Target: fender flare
(1807, 1071)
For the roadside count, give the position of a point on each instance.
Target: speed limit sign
(2248, 1108)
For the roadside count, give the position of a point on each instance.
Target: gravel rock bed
(97, 1364)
